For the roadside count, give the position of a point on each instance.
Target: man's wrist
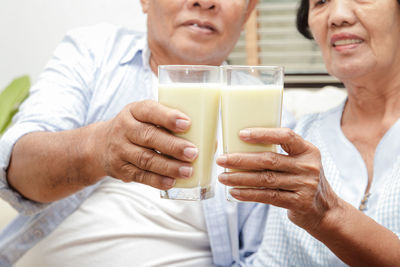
(91, 169)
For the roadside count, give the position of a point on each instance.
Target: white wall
(31, 29)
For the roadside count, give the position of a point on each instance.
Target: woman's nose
(341, 13)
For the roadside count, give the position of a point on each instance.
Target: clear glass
(194, 90)
(251, 97)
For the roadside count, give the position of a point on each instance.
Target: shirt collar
(146, 54)
(140, 45)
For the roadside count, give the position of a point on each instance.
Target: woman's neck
(368, 114)
(368, 103)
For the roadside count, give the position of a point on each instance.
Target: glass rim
(188, 67)
(256, 67)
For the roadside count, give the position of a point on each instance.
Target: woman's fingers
(294, 181)
(257, 161)
(303, 158)
(291, 142)
(276, 197)
(261, 179)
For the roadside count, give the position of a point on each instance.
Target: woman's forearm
(357, 239)
(297, 182)
(46, 166)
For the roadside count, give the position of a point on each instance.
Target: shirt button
(38, 233)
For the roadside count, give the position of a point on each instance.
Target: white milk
(247, 106)
(201, 103)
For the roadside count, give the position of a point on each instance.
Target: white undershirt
(126, 225)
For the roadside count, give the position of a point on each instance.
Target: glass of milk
(251, 96)
(194, 90)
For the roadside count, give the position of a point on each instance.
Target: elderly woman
(335, 195)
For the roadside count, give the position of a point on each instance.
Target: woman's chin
(346, 72)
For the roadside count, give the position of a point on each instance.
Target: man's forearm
(46, 166)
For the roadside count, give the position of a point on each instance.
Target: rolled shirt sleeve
(58, 101)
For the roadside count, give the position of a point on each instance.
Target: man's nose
(341, 13)
(204, 4)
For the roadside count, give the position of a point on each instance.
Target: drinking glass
(251, 97)
(194, 90)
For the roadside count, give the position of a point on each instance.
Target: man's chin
(201, 57)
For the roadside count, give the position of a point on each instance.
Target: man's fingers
(131, 173)
(291, 142)
(152, 112)
(149, 160)
(150, 136)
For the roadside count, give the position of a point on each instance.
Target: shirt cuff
(7, 142)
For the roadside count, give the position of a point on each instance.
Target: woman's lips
(345, 41)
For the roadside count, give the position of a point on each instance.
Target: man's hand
(138, 145)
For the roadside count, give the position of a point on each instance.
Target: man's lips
(202, 26)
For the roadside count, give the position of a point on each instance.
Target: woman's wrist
(333, 221)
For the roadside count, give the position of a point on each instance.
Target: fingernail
(222, 159)
(244, 134)
(234, 192)
(169, 182)
(186, 171)
(190, 152)
(223, 177)
(182, 124)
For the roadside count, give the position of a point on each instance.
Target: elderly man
(83, 132)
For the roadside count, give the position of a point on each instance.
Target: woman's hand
(138, 145)
(295, 181)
